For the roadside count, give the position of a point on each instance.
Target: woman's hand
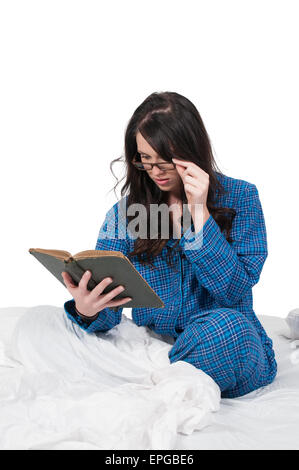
(196, 184)
(89, 303)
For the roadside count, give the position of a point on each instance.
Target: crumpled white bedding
(62, 388)
(57, 391)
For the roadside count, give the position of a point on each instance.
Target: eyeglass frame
(152, 164)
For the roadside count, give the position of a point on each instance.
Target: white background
(72, 74)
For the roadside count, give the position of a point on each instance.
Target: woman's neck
(172, 197)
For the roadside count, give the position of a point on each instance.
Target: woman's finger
(116, 303)
(113, 293)
(68, 280)
(189, 168)
(98, 289)
(84, 281)
(191, 180)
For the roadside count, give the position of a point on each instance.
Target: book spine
(73, 268)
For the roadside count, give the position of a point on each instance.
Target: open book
(102, 264)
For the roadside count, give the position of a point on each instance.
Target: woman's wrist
(85, 317)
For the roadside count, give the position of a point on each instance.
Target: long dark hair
(172, 126)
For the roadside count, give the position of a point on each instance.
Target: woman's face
(167, 180)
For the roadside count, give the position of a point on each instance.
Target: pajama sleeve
(227, 270)
(107, 240)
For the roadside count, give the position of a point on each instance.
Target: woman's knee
(223, 317)
(222, 339)
(43, 340)
(38, 326)
(223, 325)
(40, 319)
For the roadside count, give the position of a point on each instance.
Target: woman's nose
(156, 172)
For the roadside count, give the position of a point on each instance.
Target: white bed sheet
(267, 418)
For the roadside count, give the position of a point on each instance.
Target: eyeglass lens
(148, 166)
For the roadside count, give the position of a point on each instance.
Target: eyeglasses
(145, 166)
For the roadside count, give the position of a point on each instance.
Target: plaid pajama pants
(225, 345)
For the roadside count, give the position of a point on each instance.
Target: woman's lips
(162, 181)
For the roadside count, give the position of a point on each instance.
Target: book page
(61, 254)
(97, 253)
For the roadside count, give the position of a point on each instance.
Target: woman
(205, 276)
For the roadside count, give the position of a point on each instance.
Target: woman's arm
(228, 271)
(107, 240)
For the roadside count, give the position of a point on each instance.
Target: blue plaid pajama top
(208, 299)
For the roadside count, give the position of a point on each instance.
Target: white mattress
(176, 407)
